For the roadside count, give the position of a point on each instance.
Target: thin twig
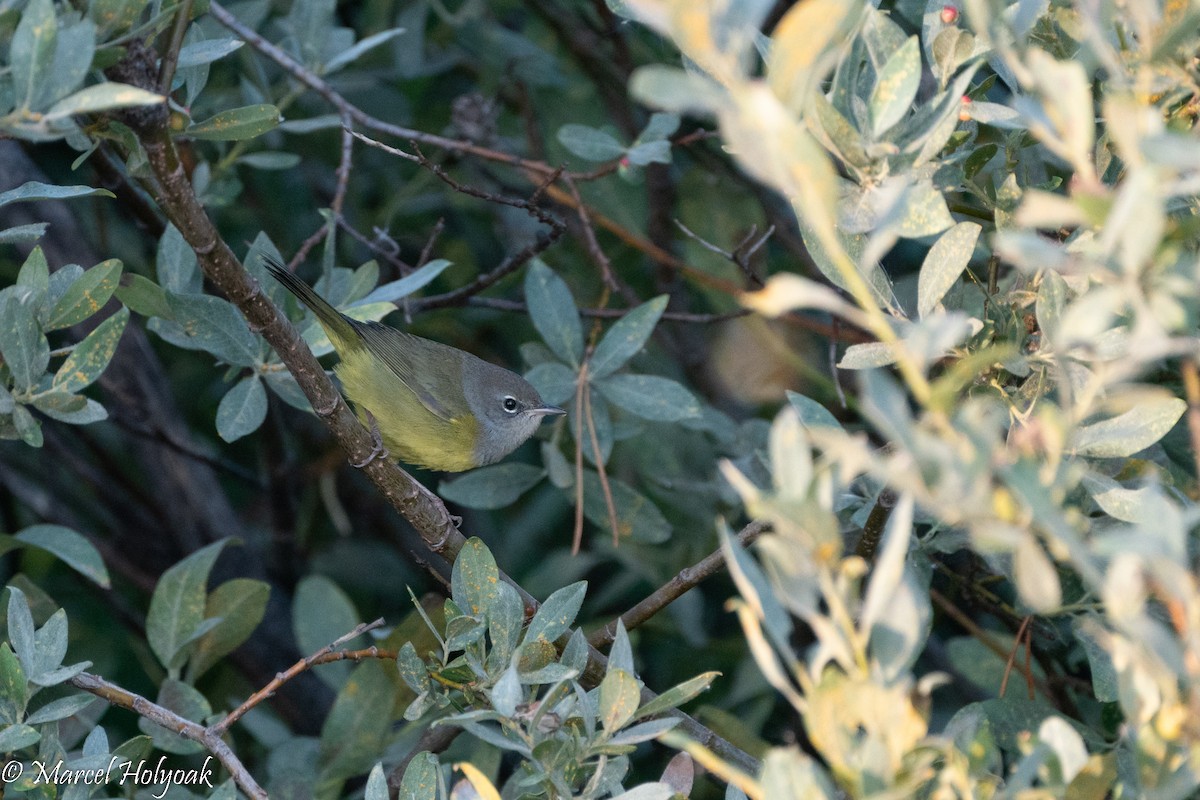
(1023, 634)
(673, 589)
(580, 388)
(982, 636)
(166, 71)
(600, 470)
(503, 304)
(740, 255)
(211, 741)
(304, 664)
(591, 244)
(509, 265)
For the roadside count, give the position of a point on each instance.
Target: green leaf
(28, 428)
(206, 51)
(115, 15)
(355, 731)
(812, 414)
(619, 698)
(14, 692)
(270, 159)
(951, 48)
(240, 604)
(554, 381)
(242, 409)
(102, 97)
(72, 548)
(557, 614)
(178, 604)
(59, 402)
(412, 669)
(21, 631)
(650, 397)
(360, 48)
(649, 153)
(677, 695)
(896, 87)
(843, 137)
(589, 143)
(204, 322)
(676, 90)
(944, 263)
(322, 613)
(91, 356)
(77, 413)
(492, 487)
(142, 295)
(474, 579)
(33, 190)
(926, 212)
(60, 709)
(49, 648)
(506, 693)
(553, 312)
(505, 617)
(661, 126)
(377, 788)
(18, 737)
(237, 124)
(620, 654)
(73, 54)
(23, 234)
(626, 338)
(1130, 432)
(422, 779)
(1035, 576)
(637, 517)
(395, 290)
(646, 732)
(25, 349)
(31, 54)
(175, 264)
(86, 295)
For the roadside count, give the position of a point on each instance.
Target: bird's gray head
(507, 407)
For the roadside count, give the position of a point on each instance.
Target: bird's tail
(341, 331)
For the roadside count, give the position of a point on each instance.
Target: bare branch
(115, 695)
(673, 589)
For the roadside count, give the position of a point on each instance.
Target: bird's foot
(379, 451)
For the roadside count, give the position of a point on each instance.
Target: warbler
(435, 406)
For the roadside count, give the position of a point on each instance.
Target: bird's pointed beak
(546, 411)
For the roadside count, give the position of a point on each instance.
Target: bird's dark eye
(510, 404)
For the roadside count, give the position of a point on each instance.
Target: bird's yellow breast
(410, 431)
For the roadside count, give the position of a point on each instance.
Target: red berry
(949, 14)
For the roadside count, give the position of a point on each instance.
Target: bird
(432, 405)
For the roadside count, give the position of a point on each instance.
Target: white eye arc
(510, 404)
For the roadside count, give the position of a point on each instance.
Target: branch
(115, 695)
(304, 664)
(673, 589)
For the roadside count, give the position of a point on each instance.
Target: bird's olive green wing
(418, 363)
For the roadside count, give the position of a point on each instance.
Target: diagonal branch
(673, 589)
(115, 695)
